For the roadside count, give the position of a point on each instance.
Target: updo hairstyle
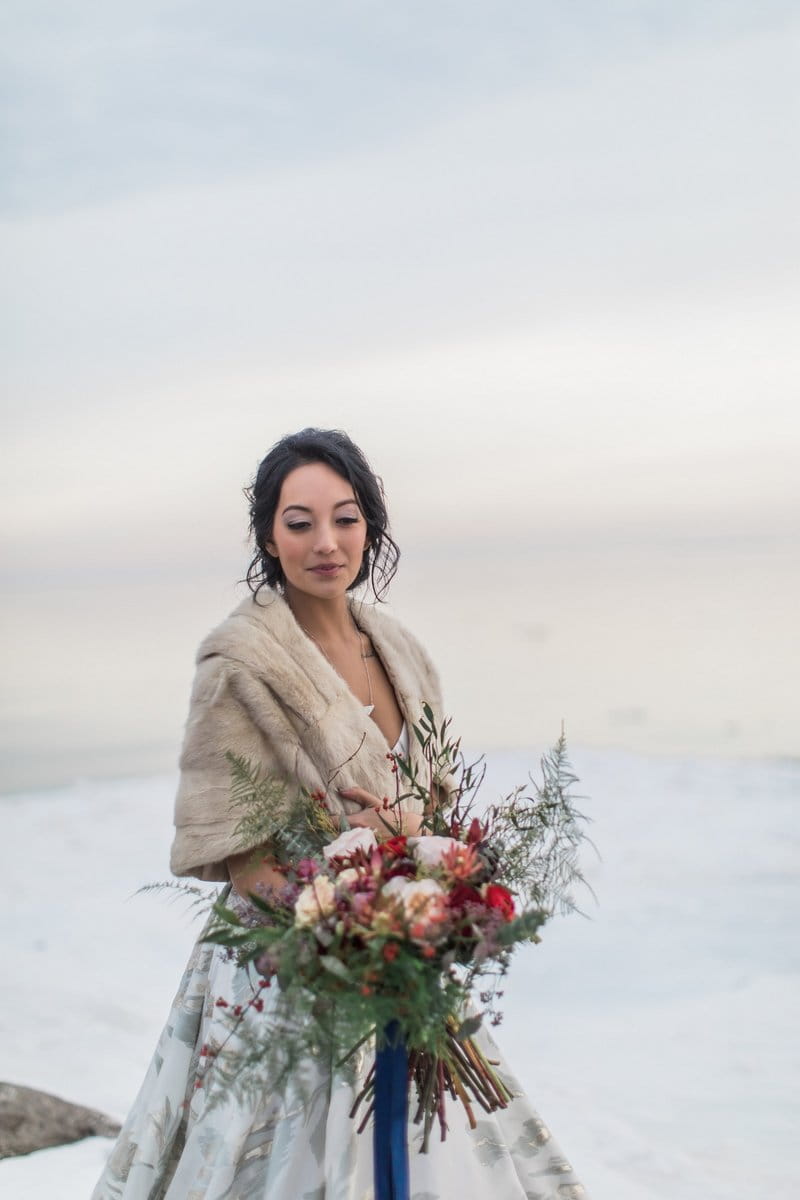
(342, 455)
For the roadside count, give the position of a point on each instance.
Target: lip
(326, 568)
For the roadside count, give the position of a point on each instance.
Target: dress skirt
(180, 1142)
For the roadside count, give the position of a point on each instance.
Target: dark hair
(336, 450)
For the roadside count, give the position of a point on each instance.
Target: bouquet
(382, 940)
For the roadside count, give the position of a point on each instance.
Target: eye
(297, 526)
(347, 520)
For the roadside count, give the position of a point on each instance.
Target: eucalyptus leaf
(469, 1027)
(336, 967)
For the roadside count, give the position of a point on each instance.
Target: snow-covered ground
(657, 1037)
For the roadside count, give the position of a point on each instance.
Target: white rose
(348, 842)
(415, 895)
(395, 887)
(348, 876)
(429, 851)
(317, 900)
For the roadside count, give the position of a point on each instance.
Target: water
(656, 1035)
(689, 648)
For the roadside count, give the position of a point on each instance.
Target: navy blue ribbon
(390, 1145)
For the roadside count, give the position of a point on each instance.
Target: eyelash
(299, 526)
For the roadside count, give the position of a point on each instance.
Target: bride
(315, 686)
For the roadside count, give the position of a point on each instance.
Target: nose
(326, 540)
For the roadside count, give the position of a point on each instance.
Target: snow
(656, 1035)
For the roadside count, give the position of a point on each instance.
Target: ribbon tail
(390, 1145)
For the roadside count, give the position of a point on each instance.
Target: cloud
(584, 273)
(112, 100)
(669, 176)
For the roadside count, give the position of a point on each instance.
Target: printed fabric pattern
(302, 1145)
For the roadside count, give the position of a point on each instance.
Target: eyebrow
(303, 508)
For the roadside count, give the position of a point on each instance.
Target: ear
(271, 549)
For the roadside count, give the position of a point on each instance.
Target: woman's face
(319, 533)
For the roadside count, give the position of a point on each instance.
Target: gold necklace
(371, 705)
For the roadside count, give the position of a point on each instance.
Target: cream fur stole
(263, 690)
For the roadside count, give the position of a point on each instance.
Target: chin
(322, 588)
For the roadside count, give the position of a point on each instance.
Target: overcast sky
(517, 230)
(540, 259)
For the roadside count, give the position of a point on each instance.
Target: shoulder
(382, 624)
(255, 629)
(391, 635)
(260, 654)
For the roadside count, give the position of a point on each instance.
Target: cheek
(290, 550)
(361, 539)
(281, 546)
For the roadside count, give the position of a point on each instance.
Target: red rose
(500, 898)
(395, 846)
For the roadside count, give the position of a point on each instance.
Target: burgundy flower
(476, 832)
(461, 896)
(306, 869)
(400, 866)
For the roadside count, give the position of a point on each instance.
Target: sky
(538, 259)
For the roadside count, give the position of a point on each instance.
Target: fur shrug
(264, 690)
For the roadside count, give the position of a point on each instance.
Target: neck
(327, 621)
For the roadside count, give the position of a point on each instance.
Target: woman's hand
(374, 815)
(254, 867)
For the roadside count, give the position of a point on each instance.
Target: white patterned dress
(302, 1144)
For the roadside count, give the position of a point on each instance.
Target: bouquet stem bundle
(463, 1072)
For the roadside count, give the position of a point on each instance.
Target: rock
(31, 1120)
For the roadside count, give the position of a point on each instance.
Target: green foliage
(536, 832)
(198, 897)
(337, 993)
(539, 836)
(293, 824)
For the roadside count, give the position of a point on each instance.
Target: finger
(361, 796)
(362, 821)
(376, 821)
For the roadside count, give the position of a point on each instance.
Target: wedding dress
(301, 1144)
